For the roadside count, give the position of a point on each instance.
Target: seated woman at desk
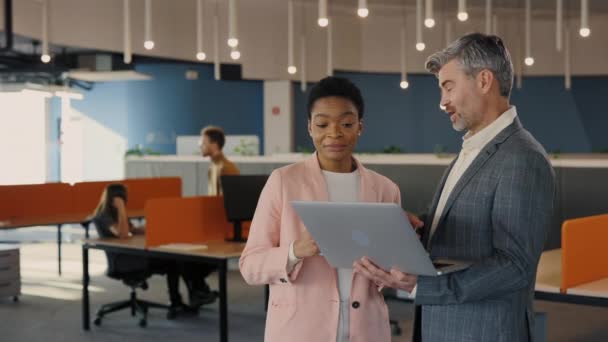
(309, 299)
(111, 220)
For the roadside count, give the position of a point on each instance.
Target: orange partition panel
(139, 190)
(584, 251)
(33, 201)
(185, 220)
(144, 189)
(87, 195)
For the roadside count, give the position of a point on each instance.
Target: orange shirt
(216, 169)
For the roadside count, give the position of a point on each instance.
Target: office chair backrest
(127, 267)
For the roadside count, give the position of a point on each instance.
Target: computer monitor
(241, 194)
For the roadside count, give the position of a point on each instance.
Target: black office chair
(134, 273)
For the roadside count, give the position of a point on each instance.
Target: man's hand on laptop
(415, 221)
(304, 248)
(393, 278)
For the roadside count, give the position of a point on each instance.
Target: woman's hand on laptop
(304, 248)
(393, 278)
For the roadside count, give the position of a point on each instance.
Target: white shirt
(215, 170)
(341, 187)
(471, 146)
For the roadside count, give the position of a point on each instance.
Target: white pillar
(278, 117)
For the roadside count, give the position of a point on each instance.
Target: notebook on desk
(186, 247)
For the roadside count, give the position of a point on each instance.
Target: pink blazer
(304, 305)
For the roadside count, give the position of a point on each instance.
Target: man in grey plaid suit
(492, 207)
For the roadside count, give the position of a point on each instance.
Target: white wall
(23, 135)
(89, 150)
(278, 117)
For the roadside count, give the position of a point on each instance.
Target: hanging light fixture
(488, 16)
(127, 53)
(330, 60)
(429, 20)
(462, 10)
(45, 56)
(567, 56)
(323, 21)
(291, 67)
(362, 10)
(216, 43)
(233, 41)
(559, 19)
(584, 31)
(235, 54)
(404, 84)
(200, 53)
(148, 41)
(519, 74)
(303, 62)
(529, 60)
(448, 32)
(419, 43)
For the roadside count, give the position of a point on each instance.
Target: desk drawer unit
(10, 279)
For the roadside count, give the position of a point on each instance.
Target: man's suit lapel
(484, 155)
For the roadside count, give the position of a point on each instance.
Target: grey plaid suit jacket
(496, 217)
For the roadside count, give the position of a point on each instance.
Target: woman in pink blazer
(309, 299)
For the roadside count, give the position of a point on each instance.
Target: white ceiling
(574, 5)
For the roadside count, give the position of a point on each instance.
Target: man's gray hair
(476, 52)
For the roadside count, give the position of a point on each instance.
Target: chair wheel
(143, 323)
(171, 314)
(97, 321)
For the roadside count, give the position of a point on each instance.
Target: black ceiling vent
(231, 72)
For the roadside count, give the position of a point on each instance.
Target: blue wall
(170, 105)
(565, 121)
(153, 113)
(107, 104)
(589, 95)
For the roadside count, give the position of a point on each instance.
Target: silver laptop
(345, 232)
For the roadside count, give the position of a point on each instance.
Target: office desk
(548, 283)
(59, 220)
(217, 253)
(549, 272)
